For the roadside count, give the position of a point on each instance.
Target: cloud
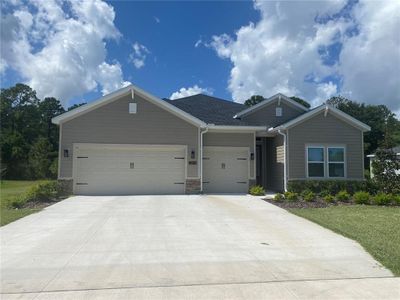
(316, 49)
(156, 19)
(139, 54)
(190, 91)
(59, 48)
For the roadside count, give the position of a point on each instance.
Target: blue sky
(79, 50)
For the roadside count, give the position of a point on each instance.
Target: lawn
(11, 189)
(376, 228)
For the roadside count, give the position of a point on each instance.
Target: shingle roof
(211, 110)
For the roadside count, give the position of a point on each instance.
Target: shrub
(382, 199)
(279, 197)
(324, 193)
(361, 197)
(385, 166)
(43, 191)
(396, 199)
(18, 202)
(343, 196)
(304, 193)
(332, 186)
(290, 196)
(257, 190)
(329, 199)
(309, 197)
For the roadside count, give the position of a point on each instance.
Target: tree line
(29, 141)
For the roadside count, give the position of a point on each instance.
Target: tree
(301, 101)
(253, 100)
(385, 166)
(76, 106)
(41, 157)
(48, 109)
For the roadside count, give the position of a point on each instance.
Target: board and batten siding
(113, 124)
(232, 140)
(275, 163)
(267, 115)
(326, 131)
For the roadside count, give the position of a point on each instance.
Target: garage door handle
(82, 157)
(179, 157)
(241, 158)
(179, 183)
(205, 158)
(206, 182)
(241, 182)
(82, 183)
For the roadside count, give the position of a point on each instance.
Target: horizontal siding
(231, 140)
(112, 124)
(266, 115)
(275, 163)
(327, 131)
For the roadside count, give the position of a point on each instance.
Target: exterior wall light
(66, 153)
(192, 154)
(252, 156)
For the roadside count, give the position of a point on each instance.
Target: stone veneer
(192, 186)
(66, 186)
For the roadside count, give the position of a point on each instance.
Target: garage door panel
(225, 169)
(107, 170)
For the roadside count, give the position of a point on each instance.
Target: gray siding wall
(275, 163)
(113, 124)
(326, 131)
(232, 140)
(266, 115)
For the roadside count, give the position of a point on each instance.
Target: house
(395, 150)
(130, 142)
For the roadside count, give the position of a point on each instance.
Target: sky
(79, 50)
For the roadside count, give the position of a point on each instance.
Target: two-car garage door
(101, 169)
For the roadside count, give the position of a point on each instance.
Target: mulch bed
(317, 203)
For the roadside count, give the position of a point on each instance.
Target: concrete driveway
(221, 246)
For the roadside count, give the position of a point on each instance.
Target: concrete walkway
(179, 247)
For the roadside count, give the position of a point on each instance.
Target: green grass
(376, 228)
(10, 189)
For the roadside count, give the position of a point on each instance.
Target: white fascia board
(268, 102)
(125, 91)
(330, 109)
(236, 128)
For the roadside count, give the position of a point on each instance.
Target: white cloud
(156, 19)
(282, 52)
(190, 91)
(139, 54)
(59, 48)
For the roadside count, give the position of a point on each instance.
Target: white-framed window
(315, 161)
(132, 108)
(336, 162)
(278, 111)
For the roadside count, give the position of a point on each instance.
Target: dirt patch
(318, 203)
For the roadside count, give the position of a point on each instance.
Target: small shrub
(43, 191)
(361, 197)
(279, 197)
(290, 196)
(329, 199)
(382, 199)
(333, 186)
(396, 199)
(343, 196)
(305, 193)
(18, 202)
(257, 190)
(309, 197)
(324, 193)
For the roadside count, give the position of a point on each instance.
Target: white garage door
(103, 169)
(225, 169)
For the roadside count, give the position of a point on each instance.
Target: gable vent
(132, 108)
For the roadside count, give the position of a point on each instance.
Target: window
(132, 108)
(278, 111)
(335, 161)
(315, 162)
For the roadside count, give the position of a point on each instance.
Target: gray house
(130, 142)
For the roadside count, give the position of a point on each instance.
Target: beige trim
(269, 101)
(254, 177)
(122, 92)
(59, 152)
(227, 128)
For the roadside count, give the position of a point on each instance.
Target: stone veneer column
(192, 186)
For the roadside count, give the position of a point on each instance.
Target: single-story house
(131, 142)
(395, 150)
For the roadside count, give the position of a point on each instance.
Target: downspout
(284, 160)
(201, 158)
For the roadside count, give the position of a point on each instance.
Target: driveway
(211, 246)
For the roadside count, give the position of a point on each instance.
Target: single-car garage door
(225, 169)
(101, 169)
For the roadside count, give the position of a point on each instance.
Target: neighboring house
(130, 142)
(371, 157)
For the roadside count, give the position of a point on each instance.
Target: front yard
(376, 228)
(10, 190)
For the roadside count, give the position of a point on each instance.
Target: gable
(267, 115)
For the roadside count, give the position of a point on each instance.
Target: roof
(394, 150)
(328, 109)
(277, 97)
(211, 110)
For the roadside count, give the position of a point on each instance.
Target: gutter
(201, 157)
(284, 160)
